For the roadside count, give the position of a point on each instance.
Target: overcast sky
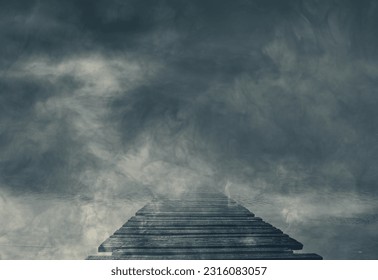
(104, 99)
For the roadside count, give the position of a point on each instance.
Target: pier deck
(202, 225)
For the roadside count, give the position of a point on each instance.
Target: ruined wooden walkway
(203, 225)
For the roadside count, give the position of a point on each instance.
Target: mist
(107, 105)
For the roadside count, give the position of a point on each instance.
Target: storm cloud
(111, 101)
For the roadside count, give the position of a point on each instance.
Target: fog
(108, 104)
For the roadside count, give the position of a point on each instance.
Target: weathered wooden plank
(199, 214)
(212, 257)
(210, 195)
(196, 226)
(219, 210)
(194, 209)
(191, 206)
(203, 254)
(203, 236)
(194, 203)
(201, 202)
(182, 214)
(200, 235)
(191, 218)
(189, 228)
(178, 223)
(198, 250)
(225, 256)
(169, 242)
(188, 231)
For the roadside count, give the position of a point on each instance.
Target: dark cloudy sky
(105, 104)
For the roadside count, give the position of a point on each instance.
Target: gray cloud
(131, 99)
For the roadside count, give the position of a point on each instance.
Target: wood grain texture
(202, 225)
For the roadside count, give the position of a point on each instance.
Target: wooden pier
(202, 225)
